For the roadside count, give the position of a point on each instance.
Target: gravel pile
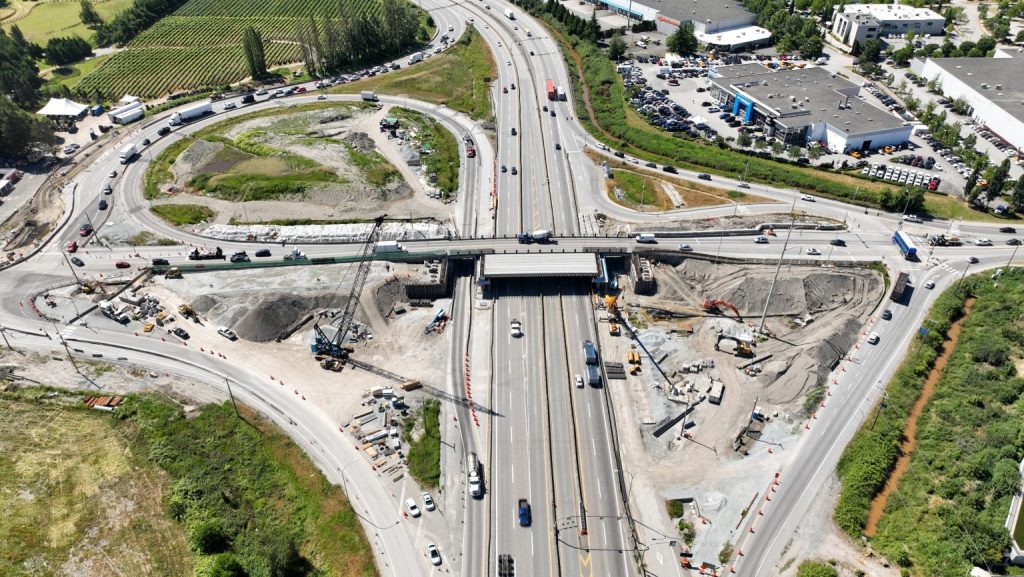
(326, 233)
(361, 141)
(262, 317)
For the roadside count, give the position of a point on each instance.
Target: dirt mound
(360, 141)
(262, 317)
(196, 155)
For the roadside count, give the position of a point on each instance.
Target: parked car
(123, 264)
(181, 333)
(227, 333)
(428, 502)
(410, 504)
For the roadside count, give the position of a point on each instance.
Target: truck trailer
(129, 116)
(510, 14)
(388, 246)
(593, 376)
(899, 287)
(415, 57)
(369, 96)
(191, 113)
(128, 153)
(550, 88)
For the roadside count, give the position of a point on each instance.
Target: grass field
(947, 510)
(425, 452)
(71, 75)
(55, 18)
(73, 491)
(948, 207)
(179, 214)
(445, 152)
(457, 78)
(639, 192)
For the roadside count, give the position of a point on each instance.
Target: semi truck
(510, 14)
(540, 236)
(191, 113)
(388, 246)
(369, 96)
(206, 254)
(128, 153)
(561, 93)
(906, 246)
(593, 376)
(944, 240)
(552, 93)
(899, 287)
(415, 57)
(590, 352)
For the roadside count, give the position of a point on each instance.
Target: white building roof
(736, 36)
(890, 12)
(62, 107)
(539, 264)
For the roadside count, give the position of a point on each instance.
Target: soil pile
(360, 141)
(261, 317)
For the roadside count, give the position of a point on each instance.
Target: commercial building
(723, 24)
(993, 87)
(853, 24)
(800, 106)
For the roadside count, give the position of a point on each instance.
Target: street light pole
(768, 299)
(1013, 254)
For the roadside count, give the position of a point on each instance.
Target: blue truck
(590, 352)
(906, 246)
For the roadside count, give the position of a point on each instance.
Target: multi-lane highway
(547, 441)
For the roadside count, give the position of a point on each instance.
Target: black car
(670, 169)
(558, 146)
(704, 176)
(886, 315)
(180, 333)
(160, 262)
(77, 261)
(239, 257)
(263, 252)
(837, 242)
(651, 165)
(1008, 229)
(103, 205)
(145, 142)
(248, 99)
(1013, 242)
(620, 154)
(163, 130)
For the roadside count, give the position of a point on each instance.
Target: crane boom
(335, 346)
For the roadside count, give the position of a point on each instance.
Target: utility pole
(1013, 254)
(72, 267)
(227, 382)
(768, 299)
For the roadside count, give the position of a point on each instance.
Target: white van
(641, 44)
(646, 237)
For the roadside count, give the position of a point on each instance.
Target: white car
(411, 506)
(517, 328)
(434, 554)
(230, 106)
(227, 333)
(685, 248)
(761, 240)
(578, 379)
(912, 218)
(983, 242)
(929, 285)
(807, 197)
(813, 251)
(428, 502)
(113, 174)
(873, 338)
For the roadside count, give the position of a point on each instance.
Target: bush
(676, 508)
(815, 569)
(425, 452)
(686, 531)
(208, 537)
(223, 565)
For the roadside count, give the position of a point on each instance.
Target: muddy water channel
(910, 429)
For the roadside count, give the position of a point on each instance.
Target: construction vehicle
(186, 311)
(715, 307)
(206, 254)
(743, 348)
(331, 364)
(173, 272)
(613, 329)
(611, 304)
(944, 240)
(333, 345)
(148, 327)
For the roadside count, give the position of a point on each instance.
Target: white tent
(126, 100)
(62, 107)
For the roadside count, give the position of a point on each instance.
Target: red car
(123, 264)
(300, 90)
(72, 246)
(85, 230)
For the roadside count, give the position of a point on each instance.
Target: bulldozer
(173, 272)
(186, 311)
(743, 347)
(611, 304)
(613, 329)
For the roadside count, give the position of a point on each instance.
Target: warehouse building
(993, 87)
(723, 24)
(800, 106)
(853, 24)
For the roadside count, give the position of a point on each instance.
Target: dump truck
(613, 329)
(944, 240)
(899, 287)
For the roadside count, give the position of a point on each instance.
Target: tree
(682, 41)
(1017, 198)
(995, 185)
(1019, 38)
(814, 151)
(744, 140)
(814, 569)
(793, 152)
(972, 182)
(777, 148)
(811, 47)
(616, 47)
(870, 51)
(21, 131)
(61, 51)
(19, 76)
(223, 565)
(255, 57)
(760, 144)
(89, 16)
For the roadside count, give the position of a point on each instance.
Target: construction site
(711, 385)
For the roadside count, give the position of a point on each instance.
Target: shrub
(208, 536)
(815, 569)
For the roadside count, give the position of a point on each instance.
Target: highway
(548, 441)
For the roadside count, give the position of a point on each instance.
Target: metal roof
(539, 264)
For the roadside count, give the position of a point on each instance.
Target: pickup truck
(525, 515)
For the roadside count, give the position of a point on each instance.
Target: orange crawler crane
(715, 306)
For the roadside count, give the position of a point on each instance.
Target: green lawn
(445, 151)
(638, 192)
(179, 214)
(949, 207)
(425, 452)
(60, 18)
(71, 75)
(458, 78)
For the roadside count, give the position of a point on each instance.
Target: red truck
(552, 94)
